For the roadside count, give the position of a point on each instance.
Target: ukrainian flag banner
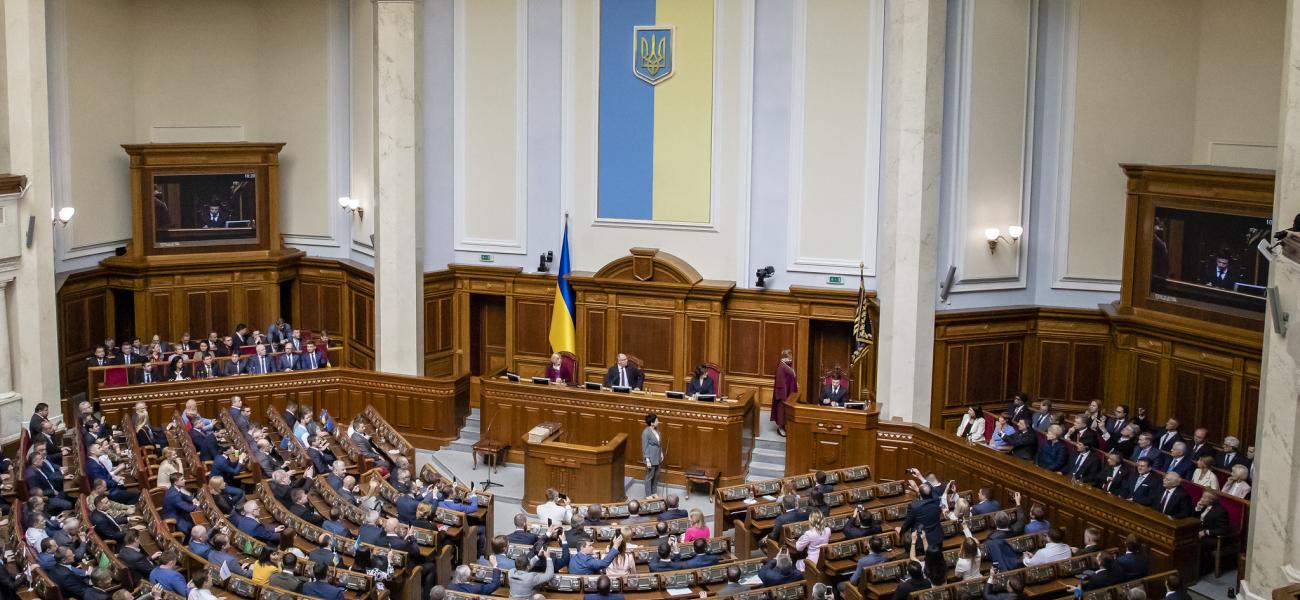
(562, 314)
(656, 110)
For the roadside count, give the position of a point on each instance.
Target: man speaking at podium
(623, 374)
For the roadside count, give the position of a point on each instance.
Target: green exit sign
(835, 280)
(485, 258)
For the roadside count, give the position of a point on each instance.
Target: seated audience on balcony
(971, 427)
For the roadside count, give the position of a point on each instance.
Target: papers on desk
(679, 592)
(750, 501)
(769, 497)
(750, 580)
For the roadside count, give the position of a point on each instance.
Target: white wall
(138, 71)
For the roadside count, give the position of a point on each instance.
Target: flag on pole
(562, 313)
(861, 319)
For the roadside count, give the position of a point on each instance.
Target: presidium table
(695, 435)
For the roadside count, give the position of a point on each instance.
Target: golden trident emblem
(653, 53)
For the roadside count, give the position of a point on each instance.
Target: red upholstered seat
(115, 377)
(569, 360)
(247, 350)
(715, 374)
(990, 424)
(1194, 491)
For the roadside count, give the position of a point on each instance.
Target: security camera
(762, 275)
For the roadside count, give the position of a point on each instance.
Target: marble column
(35, 369)
(909, 205)
(6, 345)
(399, 198)
(1273, 558)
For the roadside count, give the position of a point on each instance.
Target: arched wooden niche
(652, 305)
(650, 265)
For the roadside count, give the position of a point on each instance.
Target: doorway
(487, 334)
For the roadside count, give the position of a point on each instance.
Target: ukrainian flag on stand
(562, 314)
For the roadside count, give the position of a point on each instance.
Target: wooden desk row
(427, 412)
(696, 435)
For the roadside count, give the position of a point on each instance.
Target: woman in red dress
(785, 383)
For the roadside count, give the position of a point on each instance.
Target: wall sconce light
(994, 235)
(63, 216)
(352, 206)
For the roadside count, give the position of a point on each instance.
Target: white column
(399, 198)
(35, 369)
(1273, 559)
(909, 205)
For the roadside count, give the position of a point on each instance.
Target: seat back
(569, 360)
(989, 424)
(115, 377)
(635, 361)
(715, 373)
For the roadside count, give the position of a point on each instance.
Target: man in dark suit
(105, 526)
(1024, 442)
(261, 363)
(100, 358)
(1146, 448)
(672, 511)
(65, 574)
(792, 514)
(1042, 420)
(1085, 467)
(127, 358)
(1116, 476)
(1219, 274)
(521, 535)
(247, 520)
(1214, 526)
(1115, 424)
(208, 368)
(213, 218)
(1104, 576)
(913, 580)
(321, 457)
(924, 514)
(234, 366)
(779, 570)
(1174, 588)
(39, 417)
(624, 374)
(1169, 435)
(1132, 564)
(239, 339)
(1200, 445)
(834, 394)
(131, 555)
(1144, 488)
(320, 587)
(1231, 455)
(1019, 408)
(1174, 501)
(1125, 441)
(303, 509)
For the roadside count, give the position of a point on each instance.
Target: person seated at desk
(603, 590)
(261, 363)
(779, 570)
(700, 384)
(556, 509)
(625, 375)
(585, 561)
(311, 358)
(832, 393)
(208, 369)
(971, 427)
(558, 372)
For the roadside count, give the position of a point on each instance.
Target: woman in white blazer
(972, 425)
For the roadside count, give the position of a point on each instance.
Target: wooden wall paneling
(697, 343)
(594, 354)
(744, 343)
(160, 307)
(255, 307)
(649, 336)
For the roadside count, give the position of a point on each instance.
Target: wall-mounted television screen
(205, 209)
(1208, 260)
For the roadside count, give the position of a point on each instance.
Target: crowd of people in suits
(281, 348)
(1126, 456)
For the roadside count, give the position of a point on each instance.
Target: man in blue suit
(996, 545)
(165, 574)
(320, 587)
(1146, 448)
(310, 359)
(178, 504)
(36, 479)
(370, 532)
(65, 574)
(206, 443)
(586, 563)
(1178, 461)
(261, 363)
(986, 503)
(1145, 487)
(407, 504)
(1132, 564)
(702, 557)
(792, 514)
(247, 522)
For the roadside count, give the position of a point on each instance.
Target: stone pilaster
(399, 197)
(909, 205)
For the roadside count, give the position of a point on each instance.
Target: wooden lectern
(584, 473)
(827, 437)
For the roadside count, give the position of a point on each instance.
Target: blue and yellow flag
(562, 312)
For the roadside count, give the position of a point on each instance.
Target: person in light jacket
(972, 425)
(652, 450)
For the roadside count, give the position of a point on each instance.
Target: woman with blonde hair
(170, 463)
(1204, 475)
(696, 529)
(812, 540)
(625, 562)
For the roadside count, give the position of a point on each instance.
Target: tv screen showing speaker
(1209, 260)
(205, 209)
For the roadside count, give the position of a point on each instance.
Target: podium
(584, 473)
(826, 437)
